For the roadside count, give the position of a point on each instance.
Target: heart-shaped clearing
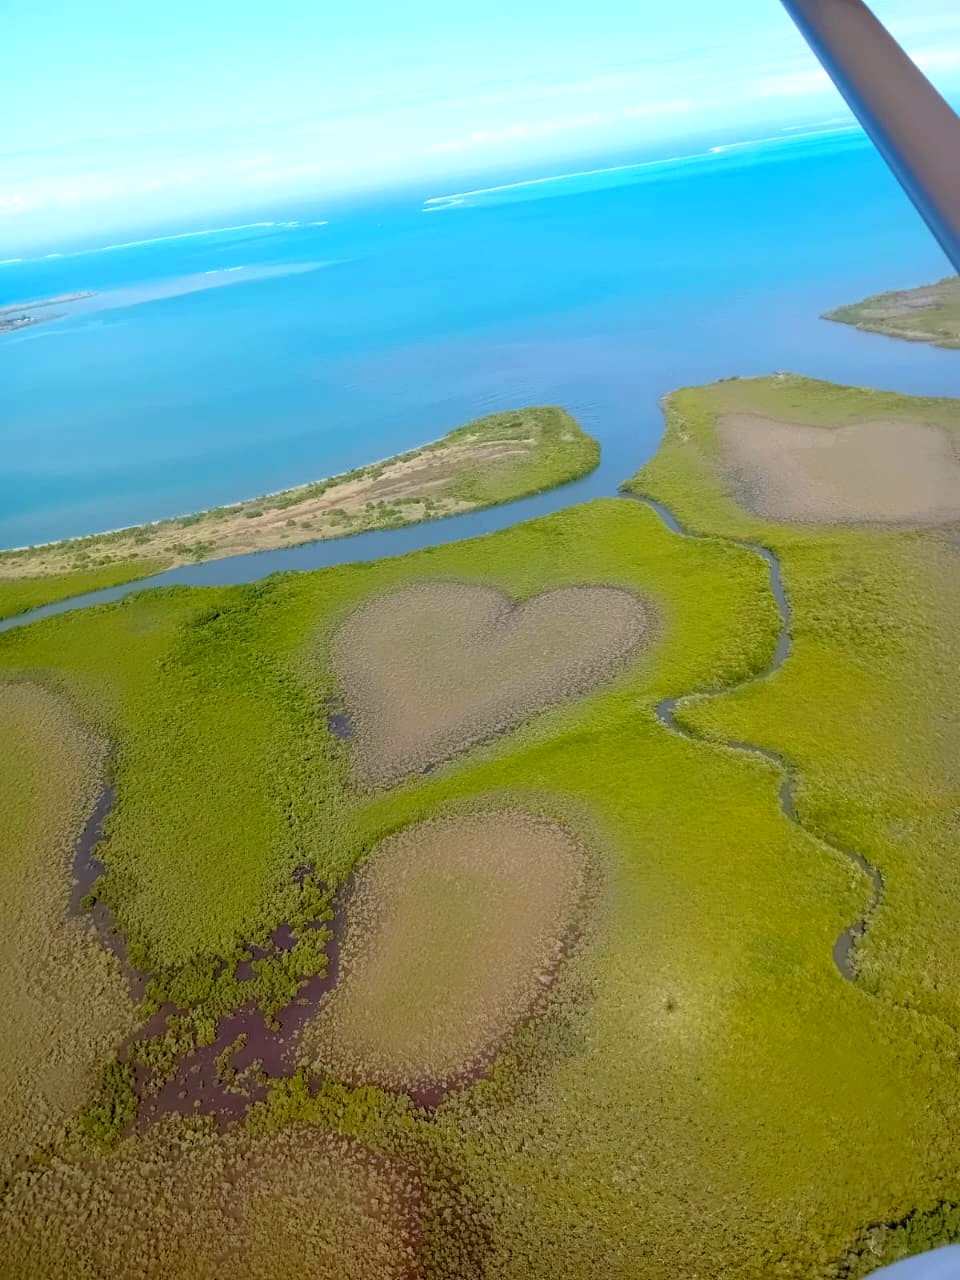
(432, 669)
(455, 930)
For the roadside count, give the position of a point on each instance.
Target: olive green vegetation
(704, 1095)
(303, 1204)
(920, 1231)
(204, 989)
(563, 452)
(215, 698)
(930, 313)
(868, 705)
(867, 710)
(17, 595)
(103, 1121)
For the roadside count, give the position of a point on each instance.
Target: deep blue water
(393, 322)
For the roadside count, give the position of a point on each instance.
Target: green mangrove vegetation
(20, 594)
(867, 707)
(65, 1004)
(700, 1091)
(930, 313)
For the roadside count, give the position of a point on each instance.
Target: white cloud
(627, 104)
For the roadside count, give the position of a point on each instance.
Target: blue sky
(132, 114)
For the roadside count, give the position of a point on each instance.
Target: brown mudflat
(432, 669)
(879, 472)
(301, 1203)
(455, 931)
(64, 1001)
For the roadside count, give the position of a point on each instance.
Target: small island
(930, 313)
(24, 314)
(492, 460)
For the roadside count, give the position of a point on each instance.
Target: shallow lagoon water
(601, 294)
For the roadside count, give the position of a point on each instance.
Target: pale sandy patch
(877, 471)
(432, 669)
(455, 929)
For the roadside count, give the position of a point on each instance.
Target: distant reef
(24, 314)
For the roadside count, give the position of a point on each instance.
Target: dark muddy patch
(250, 1051)
(339, 723)
(87, 870)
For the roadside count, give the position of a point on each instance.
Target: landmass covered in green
(18, 595)
(496, 459)
(930, 313)
(702, 1090)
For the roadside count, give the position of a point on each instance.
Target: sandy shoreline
(489, 461)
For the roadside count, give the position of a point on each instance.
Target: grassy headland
(930, 313)
(492, 460)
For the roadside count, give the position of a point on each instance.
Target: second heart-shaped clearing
(432, 669)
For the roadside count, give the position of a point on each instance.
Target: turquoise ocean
(248, 354)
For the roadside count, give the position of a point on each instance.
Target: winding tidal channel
(844, 949)
(224, 1078)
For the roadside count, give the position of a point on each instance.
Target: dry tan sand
(518, 451)
(455, 930)
(432, 669)
(240, 530)
(298, 1205)
(64, 1004)
(887, 472)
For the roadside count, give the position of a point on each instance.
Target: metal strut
(915, 129)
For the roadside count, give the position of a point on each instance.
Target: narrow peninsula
(491, 460)
(928, 314)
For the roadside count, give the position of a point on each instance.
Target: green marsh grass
(298, 1204)
(17, 595)
(868, 705)
(705, 1096)
(930, 313)
(64, 1001)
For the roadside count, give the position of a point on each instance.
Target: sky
(135, 114)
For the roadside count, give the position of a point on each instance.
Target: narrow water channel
(224, 1078)
(844, 949)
